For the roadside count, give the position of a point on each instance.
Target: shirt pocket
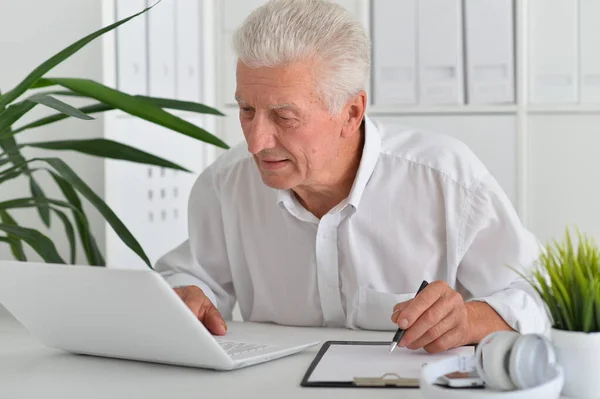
(375, 309)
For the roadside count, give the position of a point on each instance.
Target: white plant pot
(579, 355)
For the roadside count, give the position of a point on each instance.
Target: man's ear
(354, 113)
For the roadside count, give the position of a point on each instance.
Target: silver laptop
(130, 314)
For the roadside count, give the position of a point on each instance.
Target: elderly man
(318, 220)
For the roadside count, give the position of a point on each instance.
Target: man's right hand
(203, 308)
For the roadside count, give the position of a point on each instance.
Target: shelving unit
(464, 110)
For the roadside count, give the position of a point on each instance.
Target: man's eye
(285, 117)
(246, 109)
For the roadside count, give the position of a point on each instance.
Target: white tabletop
(30, 370)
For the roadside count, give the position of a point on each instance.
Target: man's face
(290, 133)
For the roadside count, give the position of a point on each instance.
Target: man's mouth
(273, 163)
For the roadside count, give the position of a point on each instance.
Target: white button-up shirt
(422, 207)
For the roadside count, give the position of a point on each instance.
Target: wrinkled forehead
(284, 86)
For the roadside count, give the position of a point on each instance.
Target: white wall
(564, 174)
(30, 32)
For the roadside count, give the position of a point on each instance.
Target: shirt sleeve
(494, 241)
(202, 259)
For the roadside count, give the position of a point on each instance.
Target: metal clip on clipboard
(388, 379)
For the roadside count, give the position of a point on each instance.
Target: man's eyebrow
(239, 100)
(282, 106)
(272, 107)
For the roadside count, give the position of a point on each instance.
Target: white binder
(188, 44)
(394, 52)
(161, 47)
(553, 51)
(440, 52)
(132, 69)
(489, 51)
(589, 51)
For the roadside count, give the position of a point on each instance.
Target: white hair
(287, 31)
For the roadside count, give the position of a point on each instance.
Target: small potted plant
(567, 278)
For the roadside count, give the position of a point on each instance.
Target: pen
(400, 332)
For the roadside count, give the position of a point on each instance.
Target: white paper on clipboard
(348, 361)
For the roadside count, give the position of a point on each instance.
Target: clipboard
(368, 364)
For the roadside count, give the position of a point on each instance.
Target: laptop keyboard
(234, 348)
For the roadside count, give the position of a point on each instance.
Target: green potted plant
(567, 278)
(39, 89)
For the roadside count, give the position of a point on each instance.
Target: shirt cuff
(520, 310)
(182, 280)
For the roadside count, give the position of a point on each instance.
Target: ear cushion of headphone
(492, 359)
(531, 357)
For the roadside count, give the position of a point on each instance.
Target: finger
(196, 304)
(214, 322)
(426, 321)
(432, 316)
(398, 308)
(436, 331)
(419, 304)
(448, 340)
(188, 292)
(181, 291)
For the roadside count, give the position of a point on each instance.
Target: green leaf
(588, 312)
(41, 83)
(41, 70)
(13, 114)
(107, 149)
(28, 202)
(10, 146)
(139, 107)
(14, 249)
(90, 247)
(182, 105)
(67, 93)
(162, 102)
(71, 177)
(16, 246)
(568, 281)
(100, 107)
(70, 232)
(59, 105)
(36, 240)
(88, 109)
(19, 168)
(41, 201)
(10, 175)
(597, 306)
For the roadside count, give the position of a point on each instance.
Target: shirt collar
(370, 155)
(369, 158)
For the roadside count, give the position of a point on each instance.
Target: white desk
(31, 370)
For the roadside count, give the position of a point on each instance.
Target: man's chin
(276, 182)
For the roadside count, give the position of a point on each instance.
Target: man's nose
(261, 135)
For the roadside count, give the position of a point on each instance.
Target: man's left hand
(436, 319)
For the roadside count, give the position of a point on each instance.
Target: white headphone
(513, 366)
